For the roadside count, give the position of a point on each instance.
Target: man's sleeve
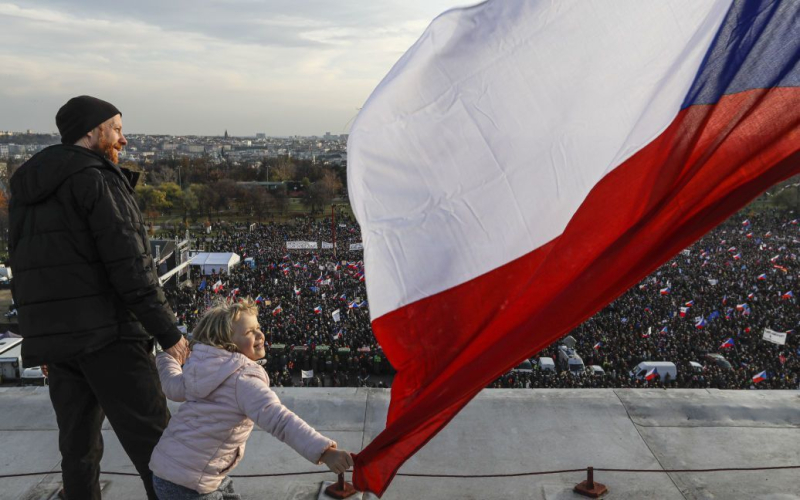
(114, 221)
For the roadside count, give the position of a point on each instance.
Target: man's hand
(179, 351)
(337, 461)
(45, 372)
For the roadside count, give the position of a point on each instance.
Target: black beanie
(80, 115)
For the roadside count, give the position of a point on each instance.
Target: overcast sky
(283, 67)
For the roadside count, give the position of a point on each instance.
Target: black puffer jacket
(83, 273)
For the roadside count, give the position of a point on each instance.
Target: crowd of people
(716, 297)
(312, 303)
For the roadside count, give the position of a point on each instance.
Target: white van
(547, 364)
(664, 368)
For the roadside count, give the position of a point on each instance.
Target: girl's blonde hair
(215, 328)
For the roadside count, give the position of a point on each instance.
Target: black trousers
(120, 382)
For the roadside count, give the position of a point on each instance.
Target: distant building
(261, 135)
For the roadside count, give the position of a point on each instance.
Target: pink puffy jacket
(224, 394)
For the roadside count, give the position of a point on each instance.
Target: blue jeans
(167, 490)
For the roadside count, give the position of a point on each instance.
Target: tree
(172, 193)
(151, 201)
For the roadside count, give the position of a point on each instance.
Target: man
(88, 297)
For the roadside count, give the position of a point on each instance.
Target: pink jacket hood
(208, 367)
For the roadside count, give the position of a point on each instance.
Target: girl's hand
(337, 461)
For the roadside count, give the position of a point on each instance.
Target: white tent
(217, 262)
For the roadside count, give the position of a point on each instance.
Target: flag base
(590, 488)
(340, 489)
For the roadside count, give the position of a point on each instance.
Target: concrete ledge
(501, 431)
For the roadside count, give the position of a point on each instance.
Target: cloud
(284, 67)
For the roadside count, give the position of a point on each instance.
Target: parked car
(596, 371)
(719, 360)
(524, 367)
(663, 368)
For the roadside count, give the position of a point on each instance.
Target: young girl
(225, 391)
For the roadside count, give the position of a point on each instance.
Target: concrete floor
(501, 431)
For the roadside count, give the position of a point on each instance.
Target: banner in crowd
(307, 373)
(326, 245)
(301, 245)
(527, 162)
(774, 337)
(356, 246)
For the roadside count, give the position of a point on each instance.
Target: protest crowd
(716, 297)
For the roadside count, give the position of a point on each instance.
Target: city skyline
(199, 68)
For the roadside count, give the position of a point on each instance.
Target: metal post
(589, 488)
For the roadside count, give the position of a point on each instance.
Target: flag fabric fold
(507, 181)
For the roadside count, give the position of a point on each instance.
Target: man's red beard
(107, 149)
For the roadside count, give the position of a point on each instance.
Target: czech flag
(761, 277)
(665, 291)
(217, 286)
(259, 299)
(728, 343)
(513, 133)
(598, 345)
(746, 222)
(277, 311)
(788, 295)
(737, 256)
(760, 377)
(683, 311)
(318, 310)
(701, 323)
(690, 303)
(653, 373)
(664, 331)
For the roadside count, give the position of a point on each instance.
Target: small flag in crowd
(728, 343)
(732, 249)
(769, 233)
(664, 291)
(598, 345)
(787, 295)
(217, 286)
(760, 377)
(352, 305)
(737, 256)
(318, 310)
(713, 315)
(683, 311)
(653, 373)
(701, 323)
(297, 292)
(202, 285)
(749, 235)
(338, 335)
(761, 277)
(793, 222)
(259, 299)
(782, 358)
(746, 222)
(664, 331)
(277, 311)
(690, 303)
(751, 295)
(774, 259)
(780, 268)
